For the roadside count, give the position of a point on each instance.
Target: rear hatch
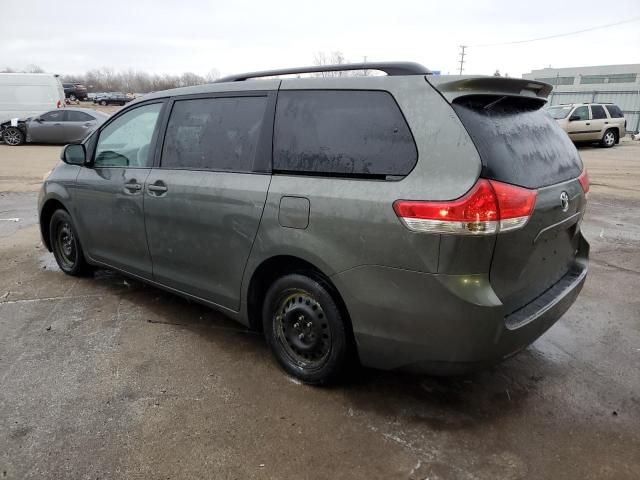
(520, 144)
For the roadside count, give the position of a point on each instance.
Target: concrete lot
(107, 378)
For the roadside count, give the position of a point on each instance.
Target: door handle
(606, 123)
(158, 188)
(133, 186)
(587, 123)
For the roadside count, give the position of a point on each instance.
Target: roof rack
(390, 68)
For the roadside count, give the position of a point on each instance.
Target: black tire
(72, 97)
(66, 245)
(609, 139)
(103, 103)
(305, 329)
(13, 136)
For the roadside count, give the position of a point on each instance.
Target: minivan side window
(581, 112)
(219, 133)
(614, 111)
(597, 112)
(342, 133)
(125, 142)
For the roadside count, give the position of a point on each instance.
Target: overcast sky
(161, 36)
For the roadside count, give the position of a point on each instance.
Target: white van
(27, 94)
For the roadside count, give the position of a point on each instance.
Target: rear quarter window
(614, 111)
(342, 133)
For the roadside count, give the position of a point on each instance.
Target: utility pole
(461, 61)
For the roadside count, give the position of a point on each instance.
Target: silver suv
(407, 221)
(591, 122)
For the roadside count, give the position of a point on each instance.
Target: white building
(619, 84)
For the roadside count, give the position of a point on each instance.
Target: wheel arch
(276, 266)
(46, 212)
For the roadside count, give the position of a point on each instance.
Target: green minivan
(404, 221)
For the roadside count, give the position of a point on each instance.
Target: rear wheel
(305, 329)
(609, 139)
(66, 245)
(13, 136)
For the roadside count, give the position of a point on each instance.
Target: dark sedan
(65, 125)
(116, 98)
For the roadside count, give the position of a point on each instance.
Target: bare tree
(31, 68)
(334, 58)
(28, 69)
(212, 75)
(189, 79)
(337, 58)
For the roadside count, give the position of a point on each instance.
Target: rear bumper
(445, 324)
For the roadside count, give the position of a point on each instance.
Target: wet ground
(107, 378)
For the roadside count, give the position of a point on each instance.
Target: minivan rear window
(518, 142)
(342, 133)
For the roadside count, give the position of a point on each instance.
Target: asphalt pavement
(104, 377)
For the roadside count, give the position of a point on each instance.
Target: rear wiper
(489, 106)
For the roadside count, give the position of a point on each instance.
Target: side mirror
(573, 118)
(74, 154)
(39, 120)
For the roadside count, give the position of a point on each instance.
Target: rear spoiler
(452, 87)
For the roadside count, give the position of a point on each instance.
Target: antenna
(461, 61)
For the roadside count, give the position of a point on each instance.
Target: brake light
(59, 104)
(584, 180)
(489, 207)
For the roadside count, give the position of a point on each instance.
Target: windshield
(559, 112)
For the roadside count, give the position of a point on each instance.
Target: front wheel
(13, 136)
(103, 103)
(66, 245)
(609, 139)
(305, 329)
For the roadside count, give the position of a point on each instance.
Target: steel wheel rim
(12, 137)
(66, 245)
(301, 327)
(609, 138)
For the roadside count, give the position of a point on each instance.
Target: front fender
(55, 193)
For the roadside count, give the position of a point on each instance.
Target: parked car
(591, 122)
(412, 221)
(75, 91)
(55, 126)
(25, 94)
(115, 98)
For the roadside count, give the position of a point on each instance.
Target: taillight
(489, 207)
(584, 180)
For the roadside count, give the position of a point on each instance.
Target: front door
(48, 127)
(203, 205)
(579, 129)
(109, 194)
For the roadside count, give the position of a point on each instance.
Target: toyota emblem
(564, 201)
